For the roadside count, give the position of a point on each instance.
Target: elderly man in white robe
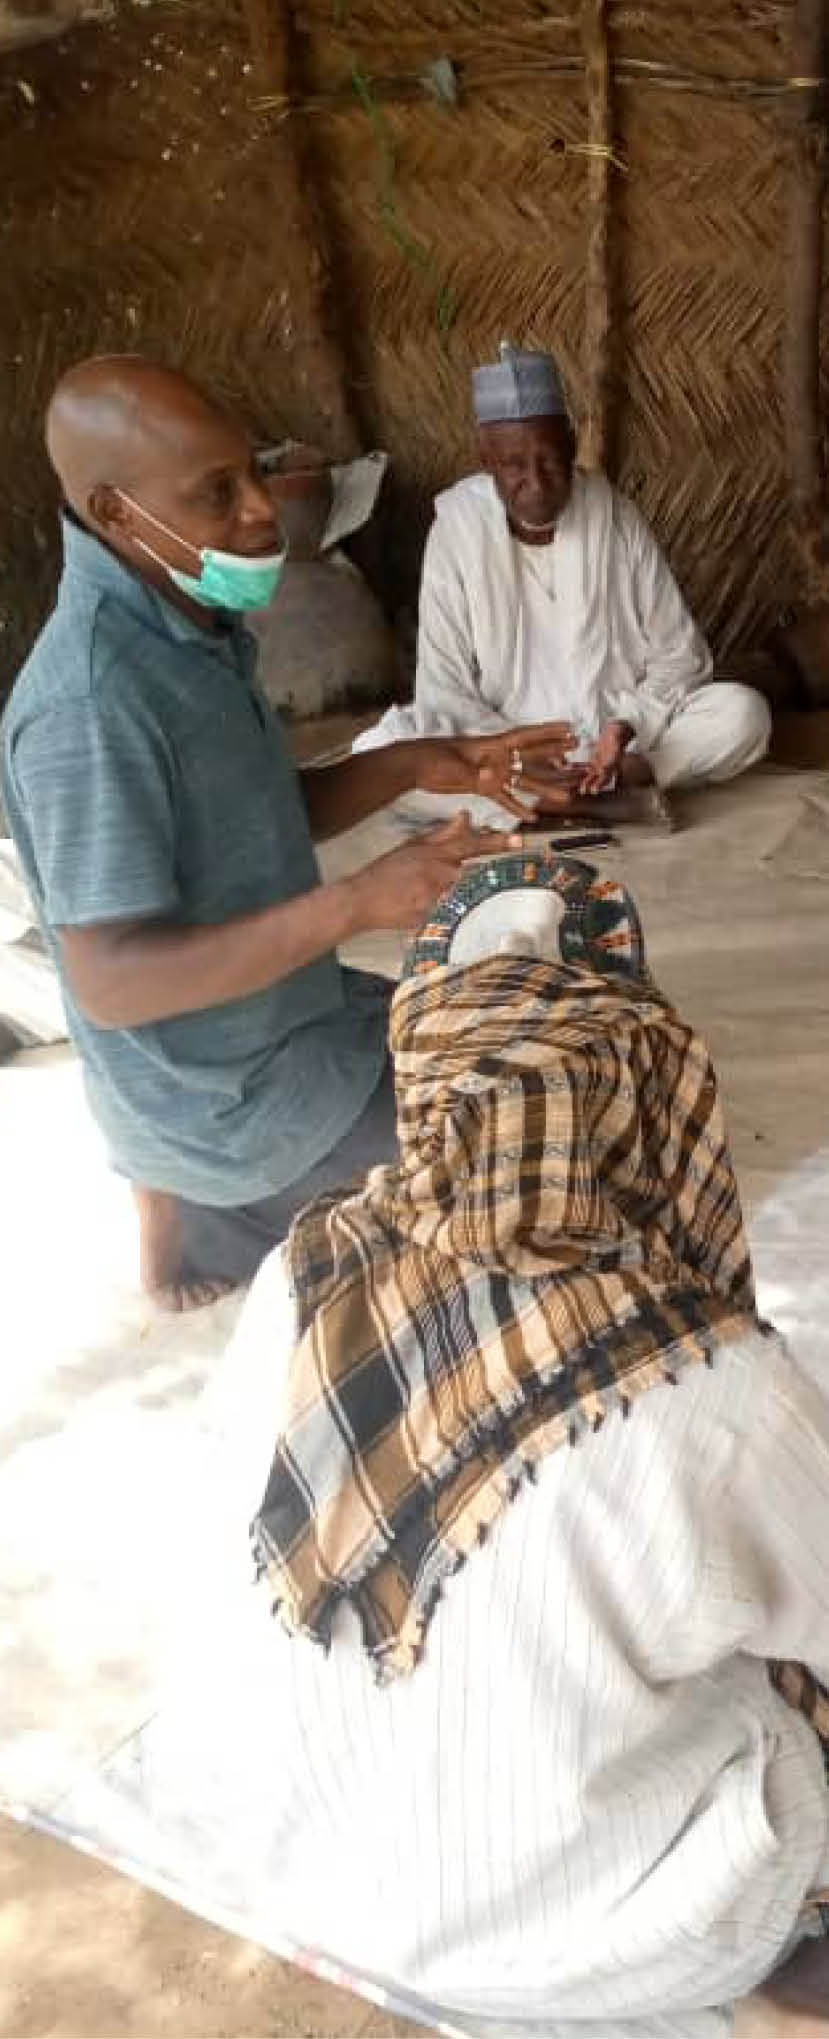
(544, 594)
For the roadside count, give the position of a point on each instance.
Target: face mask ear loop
(177, 539)
(151, 554)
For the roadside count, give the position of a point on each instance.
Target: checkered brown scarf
(563, 1230)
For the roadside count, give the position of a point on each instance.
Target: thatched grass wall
(146, 202)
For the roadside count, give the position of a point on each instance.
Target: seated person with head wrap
(545, 594)
(555, 1501)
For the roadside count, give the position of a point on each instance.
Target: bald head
(136, 446)
(111, 417)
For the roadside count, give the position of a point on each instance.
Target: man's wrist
(395, 767)
(347, 905)
(624, 731)
(419, 752)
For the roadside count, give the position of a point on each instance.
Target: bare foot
(164, 1274)
(758, 2018)
(634, 770)
(180, 1296)
(794, 2002)
(642, 804)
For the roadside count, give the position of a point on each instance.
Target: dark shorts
(229, 1245)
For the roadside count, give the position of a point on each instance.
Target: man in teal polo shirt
(234, 1068)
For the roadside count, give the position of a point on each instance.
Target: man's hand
(399, 888)
(130, 973)
(502, 767)
(601, 772)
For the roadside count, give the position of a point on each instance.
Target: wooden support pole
(803, 285)
(309, 321)
(596, 431)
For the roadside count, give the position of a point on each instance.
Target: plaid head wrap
(562, 1231)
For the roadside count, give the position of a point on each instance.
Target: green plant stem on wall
(416, 251)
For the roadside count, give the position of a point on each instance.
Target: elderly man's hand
(515, 769)
(601, 772)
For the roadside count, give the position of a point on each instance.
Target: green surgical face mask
(228, 580)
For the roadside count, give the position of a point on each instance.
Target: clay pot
(324, 642)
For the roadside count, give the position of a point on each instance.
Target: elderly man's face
(531, 464)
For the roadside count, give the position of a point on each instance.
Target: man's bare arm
(126, 973)
(129, 973)
(338, 796)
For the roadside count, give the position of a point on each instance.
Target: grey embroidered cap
(518, 385)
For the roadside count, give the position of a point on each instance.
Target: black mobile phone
(593, 840)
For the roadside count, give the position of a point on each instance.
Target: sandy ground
(87, 1954)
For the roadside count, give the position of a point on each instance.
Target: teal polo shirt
(145, 776)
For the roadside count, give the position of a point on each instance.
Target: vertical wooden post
(309, 323)
(803, 285)
(594, 446)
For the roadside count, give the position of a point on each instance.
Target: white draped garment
(586, 1815)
